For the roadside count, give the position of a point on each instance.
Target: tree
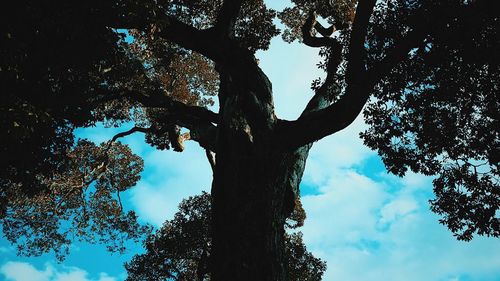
(425, 74)
(181, 249)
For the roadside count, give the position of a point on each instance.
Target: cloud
(397, 208)
(22, 271)
(379, 227)
(168, 178)
(343, 150)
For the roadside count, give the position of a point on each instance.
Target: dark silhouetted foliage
(180, 249)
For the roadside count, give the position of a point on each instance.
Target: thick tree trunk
(248, 216)
(252, 191)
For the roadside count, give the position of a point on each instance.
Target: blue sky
(367, 224)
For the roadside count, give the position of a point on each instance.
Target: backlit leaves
(82, 201)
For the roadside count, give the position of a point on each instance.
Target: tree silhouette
(181, 249)
(425, 75)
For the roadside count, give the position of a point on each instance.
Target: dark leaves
(181, 248)
(436, 113)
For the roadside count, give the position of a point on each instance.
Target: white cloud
(22, 271)
(170, 177)
(371, 229)
(340, 151)
(342, 213)
(105, 277)
(396, 209)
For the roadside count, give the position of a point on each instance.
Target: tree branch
(204, 134)
(308, 37)
(227, 16)
(156, 99)
(129, 132)
(323, 96)
(356, 53)
(318, 124)
(223, 50)
(198, 120)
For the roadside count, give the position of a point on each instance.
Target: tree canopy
(425, 75)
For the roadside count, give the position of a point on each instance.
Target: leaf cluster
(436, 113)
(83, 201)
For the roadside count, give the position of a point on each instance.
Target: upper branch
(227, 16)
(356, 53)
(318, 124)
(308, 37)
(129, 132)
(176, 110)
(324, 94)
(214, 43)
(197, 119)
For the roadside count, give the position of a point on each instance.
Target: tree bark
(252, 191)
(248, 213)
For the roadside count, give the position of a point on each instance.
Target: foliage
(437, 111)
(180, 250)
(56, 57)
(83, 200)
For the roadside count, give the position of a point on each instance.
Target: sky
(365, 223)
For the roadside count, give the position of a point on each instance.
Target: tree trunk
(252, 191)
(248, 216)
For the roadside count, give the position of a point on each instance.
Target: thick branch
(157, 100)
(356, 54)
(325, 32)
(227, 16)
(197, 119)
(236, 60)
(318, 124)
